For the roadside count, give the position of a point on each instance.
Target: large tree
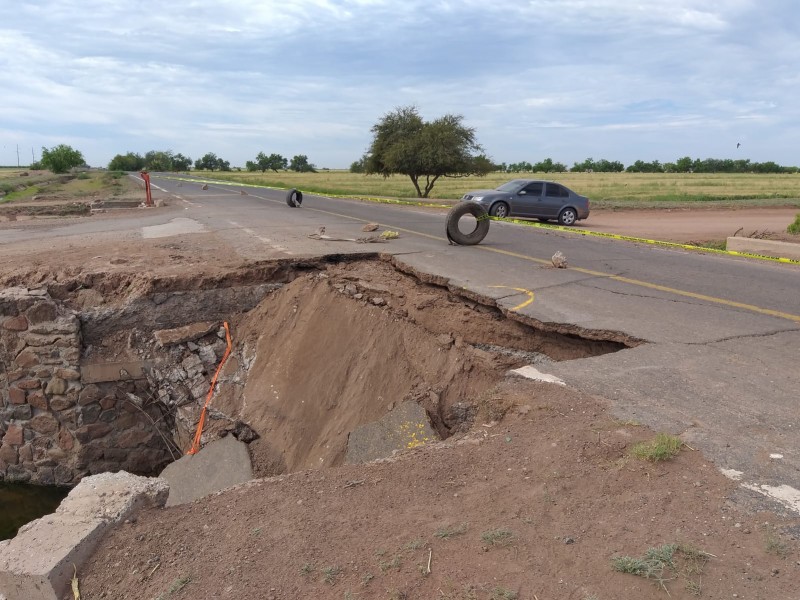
(131, 161)
(61, 158)
(405, 144)
(210, 162)
(300, 164)
(272, 162)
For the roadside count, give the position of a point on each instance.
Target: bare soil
(533, 500)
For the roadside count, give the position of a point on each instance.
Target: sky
(566, 79)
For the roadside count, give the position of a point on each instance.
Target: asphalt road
(721, 335)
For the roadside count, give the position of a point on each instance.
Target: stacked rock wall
(54, 427)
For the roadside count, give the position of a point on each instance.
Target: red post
(146, 176)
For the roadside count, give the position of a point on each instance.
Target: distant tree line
(685, 164)
(154, 160)
(276, 162)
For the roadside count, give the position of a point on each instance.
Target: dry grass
(611, 190)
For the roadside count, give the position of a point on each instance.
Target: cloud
(311, 76)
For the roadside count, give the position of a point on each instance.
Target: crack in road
(745, 336)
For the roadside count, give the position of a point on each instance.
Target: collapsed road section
(104, 373)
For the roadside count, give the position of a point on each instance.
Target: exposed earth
(531, 497)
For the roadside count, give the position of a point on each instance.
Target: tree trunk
(429, 184)
(415, 181)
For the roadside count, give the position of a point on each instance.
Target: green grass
(447, 532)
(666, 563)
(662, 447)
(794, 228)
(497, 537)
(606, 190)
(329, 574)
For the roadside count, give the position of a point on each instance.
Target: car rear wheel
(499, 210)
(568, 216)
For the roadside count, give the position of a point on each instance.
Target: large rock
(220, 464)
(38, 563)
(406, 427)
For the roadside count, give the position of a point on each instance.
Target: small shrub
(794, 228)
(448, 532)
(499, 593)
(329, 574)
(497, 537)
(662, 565)
(393, 564)
(307, 569)
(662, 447)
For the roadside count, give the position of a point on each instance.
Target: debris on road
(559, 260)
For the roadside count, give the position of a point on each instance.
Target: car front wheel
(568, 216)
(499, 210)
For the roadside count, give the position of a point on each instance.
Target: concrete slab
(220, 464)
(531, 372)
(187, 333)
(113, 371)
(767, 247)
(38, 563)
(407, 426)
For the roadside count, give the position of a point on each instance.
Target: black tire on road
(455, 235)
(294, 198)
(568, 216)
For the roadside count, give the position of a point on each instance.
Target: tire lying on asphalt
(455, 235)
(294, 198)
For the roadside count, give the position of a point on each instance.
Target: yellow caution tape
(628, 238)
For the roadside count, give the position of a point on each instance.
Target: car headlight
(477, 198)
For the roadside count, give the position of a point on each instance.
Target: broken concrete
(113, 371)
(39, 562)
(220, 464)
(407, 426)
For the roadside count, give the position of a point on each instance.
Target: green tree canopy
(211, 162)
(301, 165)
(61, 158)
(127, 162)
(405, 144)
(273, 162)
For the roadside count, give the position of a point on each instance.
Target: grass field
(610, 190)
(17, 188)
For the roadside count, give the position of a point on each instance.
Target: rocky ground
(539, 498)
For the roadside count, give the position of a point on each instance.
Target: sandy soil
(685, 225)
(534, 501)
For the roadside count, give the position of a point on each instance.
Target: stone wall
(54, 427)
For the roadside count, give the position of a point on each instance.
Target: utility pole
(33, 158)
(18, 156)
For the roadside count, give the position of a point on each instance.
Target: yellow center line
(523, 290)
(628, 280)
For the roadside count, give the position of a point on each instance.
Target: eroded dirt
(535, 506)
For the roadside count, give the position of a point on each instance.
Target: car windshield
(511, 186)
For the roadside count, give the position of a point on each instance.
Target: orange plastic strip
(199, 433)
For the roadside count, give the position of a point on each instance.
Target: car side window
(533, 189)
(554, 190)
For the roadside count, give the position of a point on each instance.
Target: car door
(554, 198)
(528, 199)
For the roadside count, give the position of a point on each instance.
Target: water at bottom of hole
(21, 503)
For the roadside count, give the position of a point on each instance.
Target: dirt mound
(534, 507)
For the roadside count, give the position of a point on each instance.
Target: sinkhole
(109, 372)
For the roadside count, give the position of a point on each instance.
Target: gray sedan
(543, 200)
